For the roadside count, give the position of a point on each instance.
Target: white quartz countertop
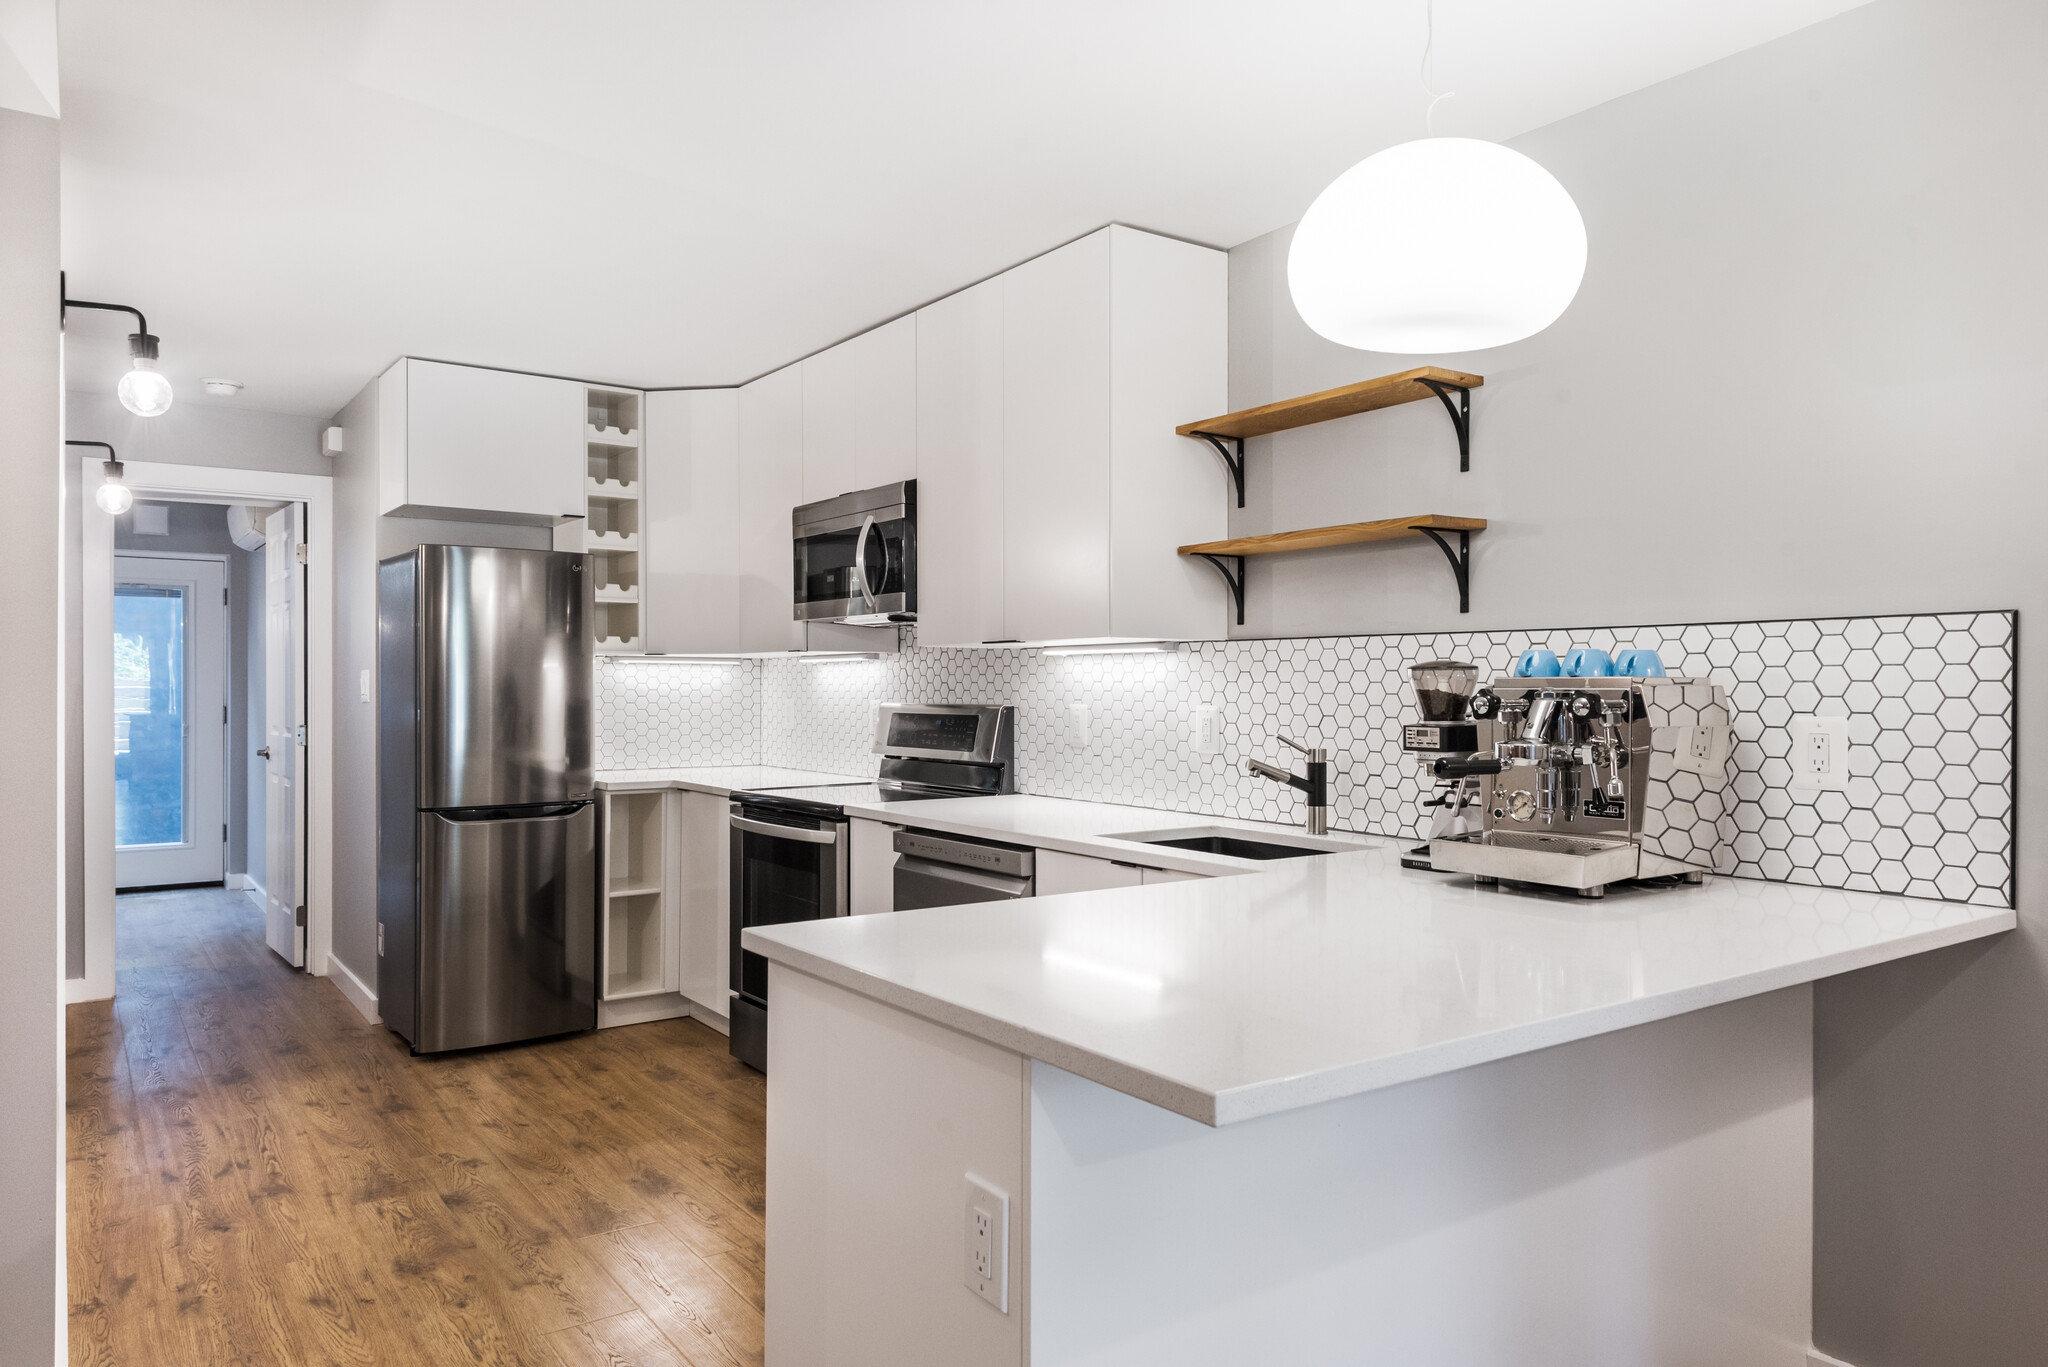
(1230, 998)
(722, 780)
(1057, 823)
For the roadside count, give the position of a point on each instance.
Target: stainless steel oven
(788, 864)
(856, 557)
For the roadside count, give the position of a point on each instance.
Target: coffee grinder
(1443, 699)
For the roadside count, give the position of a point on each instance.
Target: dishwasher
(949, 870)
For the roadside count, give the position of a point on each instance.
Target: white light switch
(1820, 754)
(1206, 724)
(365, 684)
(987, 1273)
(1078, 728)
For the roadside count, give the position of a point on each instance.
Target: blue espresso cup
(1639, 664)
(1588, 663)
(1537, 663)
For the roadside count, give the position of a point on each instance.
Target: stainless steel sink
(1239, 844)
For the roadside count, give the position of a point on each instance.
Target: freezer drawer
(507, 931)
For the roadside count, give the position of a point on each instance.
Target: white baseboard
(638, 1010)
(80, 990)
(1816, 1358)
(237, 881)
(711, 1018)
(358, 993)
(254, 889)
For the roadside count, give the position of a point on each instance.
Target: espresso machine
(1443, 700)
(1592, 781)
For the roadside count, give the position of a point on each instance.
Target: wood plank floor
(256, 1176)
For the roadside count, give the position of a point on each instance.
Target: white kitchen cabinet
(771, 482)
(1105, 345)
(704, 903)
(871, 862)
(690, 538)
(467, 443)
(1060, 872)
(960, 497)
(860, 412)
(1152, 876)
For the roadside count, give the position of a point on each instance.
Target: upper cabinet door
(689, 543)
(860, 412)
(492, 443)
(960, 468)
(1056, 442)
(771, 485)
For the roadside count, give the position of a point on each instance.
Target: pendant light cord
(1427, 71)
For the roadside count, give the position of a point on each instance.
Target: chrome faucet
(1315, 785)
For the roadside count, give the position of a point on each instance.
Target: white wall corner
(1816, 1358)
(358, 993)
(28, 56)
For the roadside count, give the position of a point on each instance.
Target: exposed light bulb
(114, 497)
(1437, 245)
(144, 391)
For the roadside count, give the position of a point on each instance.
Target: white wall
(31, 699)
(1803, 378)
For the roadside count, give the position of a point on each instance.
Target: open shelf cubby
(635, 944)
(612, 491)
(633, 961)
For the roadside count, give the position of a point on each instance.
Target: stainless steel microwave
(856, 557)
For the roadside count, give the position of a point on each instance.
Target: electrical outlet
(1207, 727)
(1820, 754)
(987, 1272)
(1700, 750)
(1079, 731)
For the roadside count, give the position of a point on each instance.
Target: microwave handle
(808, 837)
(860, 561)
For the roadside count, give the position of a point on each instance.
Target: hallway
(256, 1176)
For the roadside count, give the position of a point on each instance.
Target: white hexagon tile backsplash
(1929, 699)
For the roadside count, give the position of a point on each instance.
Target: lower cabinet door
(1060, 872)
(1169, 876)
(704, 857)
(872, 866)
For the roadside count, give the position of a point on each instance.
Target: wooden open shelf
(1386, 529)
(1342, 402)
(1423, 382)
(1229, 556)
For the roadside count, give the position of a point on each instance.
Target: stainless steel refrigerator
(486, 829)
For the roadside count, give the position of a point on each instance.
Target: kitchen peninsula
(1332, 1111)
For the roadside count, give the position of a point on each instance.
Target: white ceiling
(674, 192)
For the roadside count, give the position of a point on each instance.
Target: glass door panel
(150, 761)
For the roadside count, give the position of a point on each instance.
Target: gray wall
(202, 529)
(1802, 378)
(31, 701)
(361, 539)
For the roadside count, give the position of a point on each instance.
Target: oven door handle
(860, 562)
(831, 837)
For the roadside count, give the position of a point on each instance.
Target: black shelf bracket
(1235, 464)
(1231, 567)
(1461, 562)
(1461, 418)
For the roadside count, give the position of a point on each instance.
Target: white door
(170, 720)
(284, 710)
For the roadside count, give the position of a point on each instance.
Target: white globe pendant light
(1437, 245)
